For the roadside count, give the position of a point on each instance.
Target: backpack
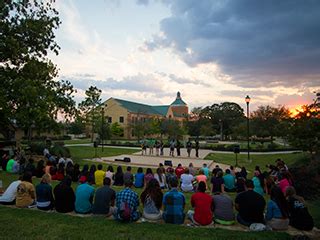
(125, 212)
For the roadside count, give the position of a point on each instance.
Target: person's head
(290, 191)
(256, 173)
(69, 165)
(149, 171)
(179, 165)
(85, 168)
(190, 165)
(249, 184)
(140, 170)
(107, 181)
(52, 170)
(67, 181)
(257, 168)
(228, 171)
(243, 169)
(49, 163)
(83, 179)
(186, 171)
(110, 168)
(201, 172)
(76, 166)
(100, 167)
(160, 165)
(93, 168)
(219, 174)
(119, 169)
(201, 187)
(217, 166)
(174, 182)
(152, 184)
(27, 177)
(231, 167)
(204, 165)
(46, 178)
(129, 169)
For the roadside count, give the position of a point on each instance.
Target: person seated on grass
(240, 183)
(110, 174)
(148, 176)
(258, 187)
(223, 209)
(26, 193)
(118, 177)
(16, 165)
(45, 200)
(48, 166)
(104, 199)
(186, 181)
(285, 181)
(161, 178)
(250, 206)
(128, 176)
(84, 172)
(151, 199)
(9, 196)
(127, 203)
(40, 169)
(299, 216)
(201, 177)
(92, 170)
(64, 196)
(99, 176)
(139, 178)
(76, 173)
(277, 210)
(216, 170)
(202, 204)
(192, 170)
(10, 164)
(60, 173)
(174, 203)
(179, 170)
(69, 169)
(205, 170)
(84, 196)
(229, 181)
(30, 167)
(217, 183)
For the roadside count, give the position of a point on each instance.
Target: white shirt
(186, 182)
(10, 194)
(163, 178)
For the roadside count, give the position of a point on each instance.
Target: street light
(248, 101)
(102, 123)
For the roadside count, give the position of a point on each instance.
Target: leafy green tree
(116, 130)
(77, 126)
(30, 95)
(102, 127)
(89, 108)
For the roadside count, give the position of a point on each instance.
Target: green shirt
(10, 165)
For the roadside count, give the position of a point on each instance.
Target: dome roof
(178, 101)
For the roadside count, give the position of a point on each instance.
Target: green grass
(256, 160)
(33, 224)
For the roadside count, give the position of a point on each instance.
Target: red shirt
(202, 204)
(179, 171)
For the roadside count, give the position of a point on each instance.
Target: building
(127, 113)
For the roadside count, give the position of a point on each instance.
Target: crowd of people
(163, 193)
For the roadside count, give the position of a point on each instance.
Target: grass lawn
(256, 160)
(33, 224)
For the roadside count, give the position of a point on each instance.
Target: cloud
(269, 43)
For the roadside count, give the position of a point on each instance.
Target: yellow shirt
(99, 176)
(26, 194)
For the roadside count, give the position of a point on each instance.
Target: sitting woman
(277, 210)
(118, 177)
(44, 194)
(161, 178)
(139, 178)
(186, 181)
(25, 192)
(64, 196)
(299, 216)
(151, 199)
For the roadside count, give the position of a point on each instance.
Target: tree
(269, 121)
(30, 96)
(89, 107)
(116, 130)
(77, 126)
(101, 127)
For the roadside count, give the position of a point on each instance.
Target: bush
(272, 146)
(60, 150)
(37, 148)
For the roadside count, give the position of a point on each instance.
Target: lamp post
(102, 123)
(248, 101)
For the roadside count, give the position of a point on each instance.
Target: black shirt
(103, 199)
(251, 206)
(65, 198)
(299, 215)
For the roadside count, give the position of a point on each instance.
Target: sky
(211, 51)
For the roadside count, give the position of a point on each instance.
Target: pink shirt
(283, 184)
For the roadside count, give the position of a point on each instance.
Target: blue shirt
(273, 211)
(205, 171)
(132, 198)
(173, 202)
(84, 197)
(257, 186)
(139, 177)
(229, 181)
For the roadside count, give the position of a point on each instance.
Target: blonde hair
(46, 178)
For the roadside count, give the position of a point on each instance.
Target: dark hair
(153, 191)
(160, 165)
(93, 168)
(110, 168)
(201, 187)
(66, 181)
(140, 170)
(219, 174)
(27, 177)
(257, 168)
(174, 182)
(179, 165)
(119, 169)
(85, 169)
(99, 166)
(107, 181)
(128, 168)
(61, 168)
(249, 183)
(159, 172)
(186, 171)
(277, 196)
(228, 171)
(149, 170)
(76, 166)
(231, 167)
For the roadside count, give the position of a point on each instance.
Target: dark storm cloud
(268, 43)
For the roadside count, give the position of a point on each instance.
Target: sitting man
(84, 197)
(9, 196)
(104, 199)
(174, 203)
(229, 181)
(127, 202)
(250, 206)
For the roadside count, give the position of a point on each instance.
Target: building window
(121, 119)
(109, 119)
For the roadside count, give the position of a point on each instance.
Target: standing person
(161, 178)
(174, 203)
(127, 203)
(229, 181)
(151, 199)
(223, 209)
(26, 193)
(151, 146)
(157, 147)
(161, 148)
(128, 175)
(197, 146)
(118, 177)
(277, 210)
(250, 206)
(186, 181)
(205, 170)
(189, 147)
(139, 178)
(45, 200)
(110, 174)
(104, 199)
(178, 147)
(299, 216)
(172, 145)
(179, 170)
(148, 176)
(99, 175)
(84, 197)
(64, 196)
(202, 204)
(9, 196)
